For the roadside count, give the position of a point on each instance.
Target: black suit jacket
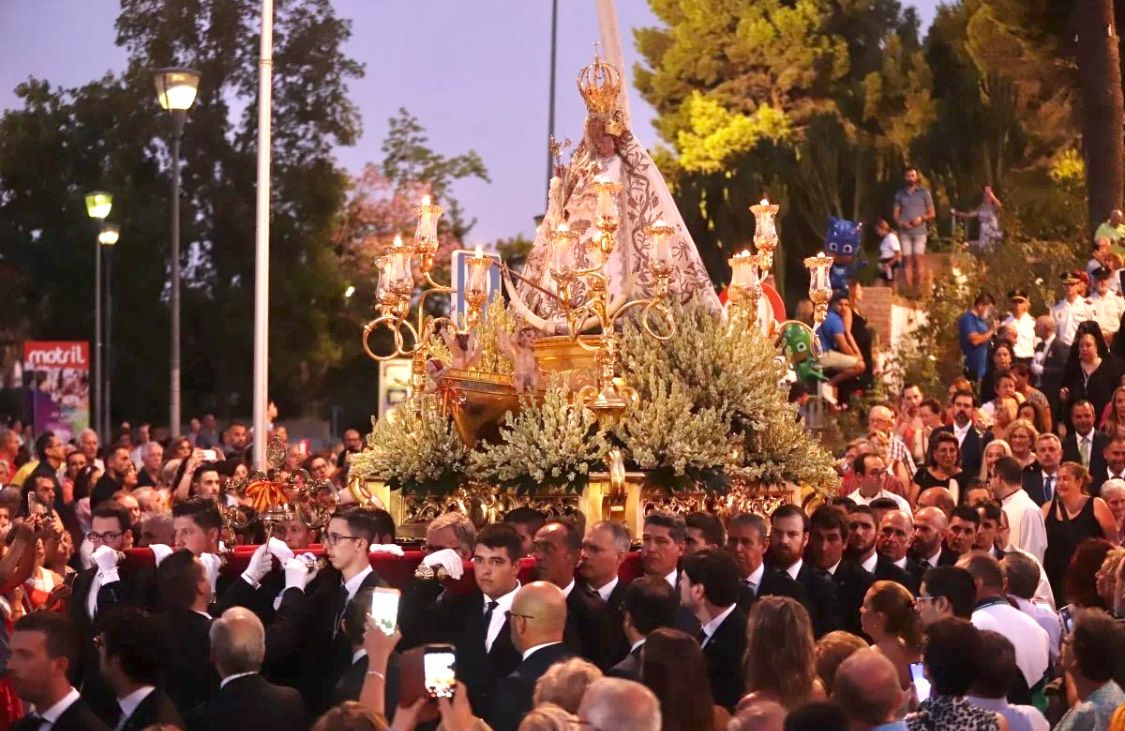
(774, 583)
(95, 691)
(852, 583)
(629, 668)
(78, 717)
(156, 708)
(252, 703)
(350, 684)
(618, 643)
(588, 632)
(1033, 484)
(1097, 459)
(723, 653)
(972, 449)
(945, 558)
(822, 601)
(911, 577)
(190, 679)
(512, 699)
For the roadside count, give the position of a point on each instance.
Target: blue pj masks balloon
(844, 238)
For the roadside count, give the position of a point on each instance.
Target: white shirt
(961, 432)
(754, 580)
(795, 569)
(889, 246)
(711, 627)
(869, 564)
(235, 677)
(1020, 718)
(606, 590)
(536, 648)
(130, 702)
(569, 588)
(1067, 316)
(353, 584)
(832, 571)
(52, 714)
(1108, 311)
(931, 561)
(503, 605)
(860, 499)
(1025, 334)
(1043, 593)
(1046, 618)
(671, 579)
(901, 563)
(1030, 640)
(1025, 521)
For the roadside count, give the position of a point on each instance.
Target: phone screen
(921, 685)
(437, 666)
(384, 609)
(1067, 617)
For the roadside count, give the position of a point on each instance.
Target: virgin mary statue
(608, 150)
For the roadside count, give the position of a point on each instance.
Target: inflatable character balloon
(844, 243)
(796, 340)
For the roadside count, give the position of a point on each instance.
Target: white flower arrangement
(417, 450)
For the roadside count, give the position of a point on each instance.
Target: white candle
(398, 271)
(478, 266)
(606, 205)
(661, 244)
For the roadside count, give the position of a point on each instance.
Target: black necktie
(702, 637)
(340, 605)
(1048, 487)
(488, 614)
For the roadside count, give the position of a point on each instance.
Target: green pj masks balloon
(797, 344)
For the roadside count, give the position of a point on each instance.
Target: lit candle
(563, 240)
(661, 243)
(740, 266)
(398, 269)
(606, 205)
(478, 267)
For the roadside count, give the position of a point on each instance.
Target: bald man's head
(930, 525)
(238, 642)
(937, 497)
(867, 688)
(538, 615)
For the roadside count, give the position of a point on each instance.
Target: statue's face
(600, 140)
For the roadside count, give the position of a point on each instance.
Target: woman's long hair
(673, 668)
(1109, 426)
(780, 650)
(895, 602)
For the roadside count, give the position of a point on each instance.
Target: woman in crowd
(1071, 516)
(1092, 372)
(831, 650)
(993, 453)
(1021, 439)
(1114, 414)
(944, 468)
(1113, 492)
(1081, 581)
(888, 617)
(780, 662)
(949, 660)
(673, 668)
(1001, 359)
(180, 448)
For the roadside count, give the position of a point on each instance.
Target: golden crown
(600, 86)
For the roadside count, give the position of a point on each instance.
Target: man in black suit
(604, 549)
(44, 647)
(1085, 444)
(97, 589)
(190, 678)
(710, 590)
(789, 534)
(928, 548)
(861, 547)
(896, 531)
(1041, 477)
(1049, 362)
(663, 541)
(649, 604)
(350, 683)
(828, 535)
(747, 535)
(538, 620)
(475, 623)
(132, 652)
(245, 700)
(556, 549)
(703, 530)
(972, 441)
(1114, 456)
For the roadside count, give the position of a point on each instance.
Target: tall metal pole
(551, 101)
(262, 238)
(99, 373)
(107, 418)
(174, 416)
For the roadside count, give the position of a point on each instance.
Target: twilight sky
(475, 74)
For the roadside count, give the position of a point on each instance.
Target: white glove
(260, 564)
(297, 574)
(211, 564)
(160, 552)
(279, 550)
(449, 560)
(390, 548)
(106, 560)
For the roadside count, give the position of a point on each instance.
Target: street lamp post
(98, 205)
(107, 237)
(262, 238)
(175, 90)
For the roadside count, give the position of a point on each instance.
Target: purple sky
(475, 74)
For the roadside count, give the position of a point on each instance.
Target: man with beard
(747, 537)
(556, 550)
(892, 544)
(789, 534)
(972, 441)
(930, 527)
(828, 535)
(861, 547)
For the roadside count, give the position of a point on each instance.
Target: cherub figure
(434, 369)
(526, 370)
(465, 348)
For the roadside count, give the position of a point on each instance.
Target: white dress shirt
(569, 588)
(353, 584)
(130, 702)
(711, 627)
(671, 578)
(536, 648)
(754, 580)
(605, 591)
(229, 678)
(1030, 640)
(860, 499)
(795, 569)
(869, 564)
(961, 432)
(503, 605)
(1046, 618)
(51, 715)
(1067, 316)
(1025, 523)
(1025, 334)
